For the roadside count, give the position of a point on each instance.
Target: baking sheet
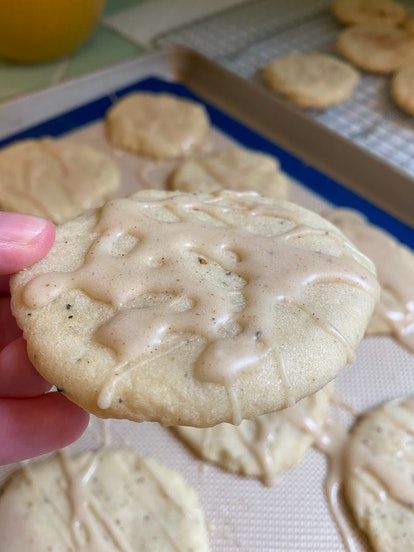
(243, 514)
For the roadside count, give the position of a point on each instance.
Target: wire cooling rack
(244, 39)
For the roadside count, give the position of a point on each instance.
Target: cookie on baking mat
(311, 79)
(232, 169)
(111, 500)
(379, 476)
(55, 179)
(394, 313)
(379, 48)
(194, 309)
(353, 12)
(402, 88)
(161, 126)
(264, 447)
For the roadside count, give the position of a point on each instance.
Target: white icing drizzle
(271, 269)
(395, 274)
(87, 521)
(384, 481)
(330, 441)
(106, 432)
(333, 441)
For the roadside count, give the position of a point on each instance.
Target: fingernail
(18, 229)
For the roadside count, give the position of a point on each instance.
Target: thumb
(24, 239)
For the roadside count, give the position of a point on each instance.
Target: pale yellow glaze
(395, 270)
(268, 269)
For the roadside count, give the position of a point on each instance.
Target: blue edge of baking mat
(306, 175)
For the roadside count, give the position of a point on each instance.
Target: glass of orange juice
(40, 30)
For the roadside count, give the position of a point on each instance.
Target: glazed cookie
(194, 309)
(106, 501)
(354, 12)
(55, 179)
(264, 447)
(379, 475)
(394, 313)
(379, 48)
(233, 169)
(311, 80)
(161, 126)
(402, 88)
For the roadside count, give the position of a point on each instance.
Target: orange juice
(39, 30)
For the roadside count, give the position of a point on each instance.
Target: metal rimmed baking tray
(242, 513)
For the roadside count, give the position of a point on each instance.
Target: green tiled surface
(102, 49)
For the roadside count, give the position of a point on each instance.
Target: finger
(4, 285)
(30, 427)
(18, 377)
(23, 240)
(9, 330)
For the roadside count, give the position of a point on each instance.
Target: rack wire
(245, 38)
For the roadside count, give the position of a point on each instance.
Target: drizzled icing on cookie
(367, 459)
(91, 529)
(370, 455)
(260, 439)
(395, 274)
(259, 270)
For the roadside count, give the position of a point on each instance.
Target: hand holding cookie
(33, 421)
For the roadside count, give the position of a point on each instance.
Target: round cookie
(355, 12)
(264, 447)
(311, 79)
(161, 126)
(106, 501)
(379, 48)
(194, 309)
(55, 179)
(379, 475)
(394, 313)
(402, 88)
(232, 169)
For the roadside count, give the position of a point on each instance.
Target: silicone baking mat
(242, 514)
(244, 39)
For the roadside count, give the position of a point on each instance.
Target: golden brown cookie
(232, 169)
(355, 12)
(161, 126)
(379, 475)
(194, 309)
(55, 179)
(311, 79)
(379, 48)
(111, 500)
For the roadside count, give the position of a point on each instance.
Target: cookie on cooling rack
(311, 79)
(264, 447)
(354, 12)
(194, 309)
(378, 48)
(161, 126)
(232, 169)
(55, 179)
(402, 88)
(379, 475)
(111, 500)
